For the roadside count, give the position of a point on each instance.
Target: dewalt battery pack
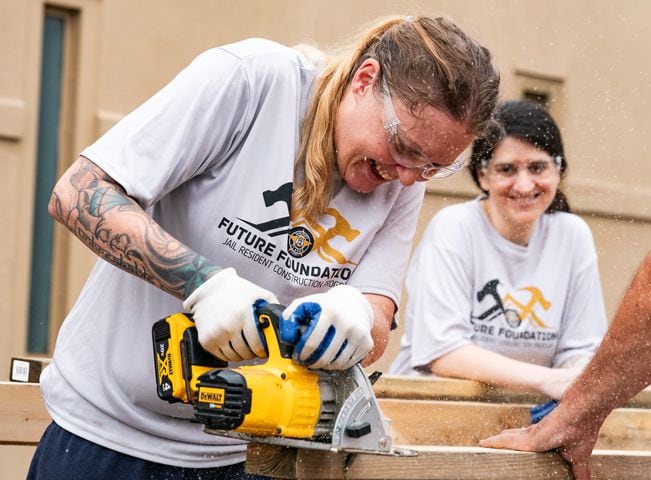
(179, 358)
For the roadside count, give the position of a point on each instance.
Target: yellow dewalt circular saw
(279, 401)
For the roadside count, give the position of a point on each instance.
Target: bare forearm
(99, 212)
(475, 363)
(383, 308)
(622, 365)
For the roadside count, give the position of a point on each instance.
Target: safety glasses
(407, 154)
(542, 169)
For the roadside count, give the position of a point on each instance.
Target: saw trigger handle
(269, 314)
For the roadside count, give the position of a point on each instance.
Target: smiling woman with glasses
(505, 288)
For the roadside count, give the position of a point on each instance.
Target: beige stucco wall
(591, 54)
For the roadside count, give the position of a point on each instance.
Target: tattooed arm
(96, 209)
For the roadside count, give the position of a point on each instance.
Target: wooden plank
(438, 388)
(641, 400)
(23, 417)
(626, 429)
(613, 464)
(444, 463)
(460, 463)
(426, 422)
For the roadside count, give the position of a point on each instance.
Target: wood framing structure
(439, 463)
(457, 423)
(444, 433)
(438, 388)
(23, 417)
(443, 419)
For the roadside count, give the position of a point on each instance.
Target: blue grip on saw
(539, 412)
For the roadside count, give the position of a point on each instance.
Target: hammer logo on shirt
(303, 235)
(511, 307)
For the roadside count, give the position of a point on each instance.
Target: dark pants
(60, 455)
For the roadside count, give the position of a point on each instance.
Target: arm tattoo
(100, 213)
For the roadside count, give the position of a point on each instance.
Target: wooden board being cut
(438, 388)
(425, 422)
(439, 463)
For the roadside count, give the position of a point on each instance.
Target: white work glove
(223, 313)
(330, 330)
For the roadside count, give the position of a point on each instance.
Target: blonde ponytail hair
(424, 62)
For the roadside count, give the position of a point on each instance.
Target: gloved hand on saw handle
(330, 330)
(223, 313)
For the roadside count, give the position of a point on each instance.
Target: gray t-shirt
(541, 304)
(211, 158)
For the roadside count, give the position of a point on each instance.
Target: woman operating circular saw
(260, 172)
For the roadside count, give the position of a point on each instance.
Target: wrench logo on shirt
(527, 310)
(322, 236)
(305, 235)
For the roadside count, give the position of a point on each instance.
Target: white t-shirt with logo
(541, 304)
(211, 158)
